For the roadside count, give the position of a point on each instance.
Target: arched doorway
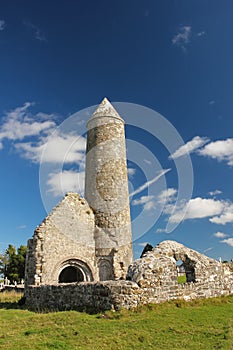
(71, 274)
(74, 270)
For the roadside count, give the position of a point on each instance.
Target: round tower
(106, 190)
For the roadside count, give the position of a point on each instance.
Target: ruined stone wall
(116, 295)
(65, 237)
(153, 280)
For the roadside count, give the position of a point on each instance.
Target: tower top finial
(105, 109)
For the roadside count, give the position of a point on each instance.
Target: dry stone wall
(153, 279)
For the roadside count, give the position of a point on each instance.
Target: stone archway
(71, 274)
(74, 271)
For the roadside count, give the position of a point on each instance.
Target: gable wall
(67, 234)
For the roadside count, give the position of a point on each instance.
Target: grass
(202, 324)
(181, 279)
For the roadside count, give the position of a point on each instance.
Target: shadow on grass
(9, 305)
(12, 301)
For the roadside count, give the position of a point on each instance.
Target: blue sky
(173, 57)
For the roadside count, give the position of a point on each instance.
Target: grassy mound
(202, 324)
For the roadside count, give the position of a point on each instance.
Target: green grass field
(202, 324)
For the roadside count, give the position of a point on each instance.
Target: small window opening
(185, 271)
(181, 275)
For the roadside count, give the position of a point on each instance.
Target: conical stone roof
(105, 109)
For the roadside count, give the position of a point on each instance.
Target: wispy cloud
(58, 148)
(150, 182)
(36, 138)
(161, 230)
(222, 150)
(19, 124)
(212, 102)
(131, 172)
(38, 35)
(189, 147)
(182, 38)
(207, 249)
(22, 227)
(147, 161)
(201, 33)
(220, 234)
(32, 134)
(215, 193)
(2, 24)
(142, 200)
(167, 196)
(147, 202)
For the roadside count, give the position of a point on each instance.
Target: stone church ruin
(81, 257)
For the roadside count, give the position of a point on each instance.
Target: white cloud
(19, 124)
(149, 206)
(201, 33)
(222, 150)
(147, 202)
(214, 193)
(198, 208)
(2, 24)
(228, 241)
(30, 134)
(167, 196)
(218, 211)
(150, 182)
(202, 207)
(189, 147)
(182, 38)
(226, 216)
(131, 171)
(142, 200)
(66, 181)
(58, 148)
(220, 234)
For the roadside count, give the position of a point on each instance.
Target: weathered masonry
(80, 256)
(84, 240)
(151, 279)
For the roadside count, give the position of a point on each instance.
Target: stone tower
(106, 191)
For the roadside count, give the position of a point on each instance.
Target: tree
(3, 264)
(12, 263)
